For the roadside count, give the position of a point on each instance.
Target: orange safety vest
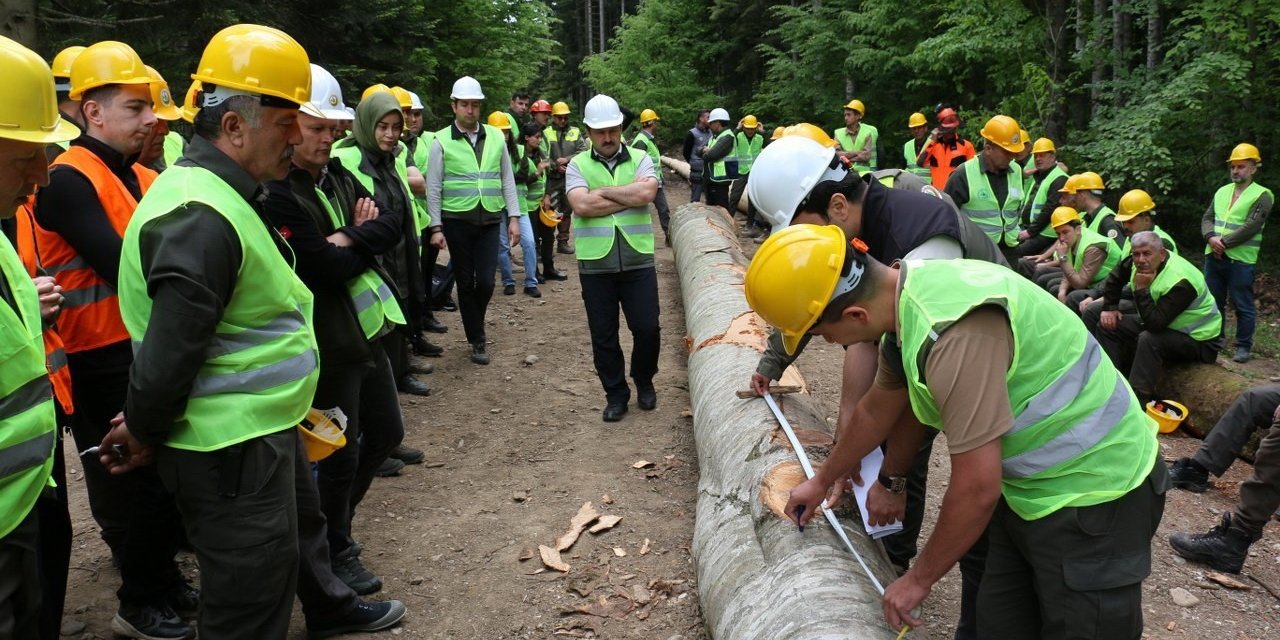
(91, 311)
(55, 357)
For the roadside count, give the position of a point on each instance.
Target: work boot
(532, 292)
(562, 246)
(364, 617)
(555, 274)
(422, 369)
(1242, 355)
(184, 599)
(1189, 475)
(646, 397)
(408, 455)
(508, 289)
(423, 347)
(348, 568)
(389, 468)
(434, 326)
(412, 386)
(479, 354)
(1223, 548)
(614, 411)
(150, 622)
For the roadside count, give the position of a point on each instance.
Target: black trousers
(136, 514)
(664, 209)
(395, 345)
(367, 395)
(718, 194)
(20, 590)
(428, 263)
(544, 238)
(474, 251)
(53, 511)
(323, 595)
(244, 527)
(1143, 355)
(636, 292)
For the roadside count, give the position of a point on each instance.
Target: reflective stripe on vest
(55, 355)
(351, 157)
(1201, 319)
(726, 168)
(1042, 196)
(851, 144)
(259, 374)
(1090, 239)
(595, 235)
(1000, 223)
(909, 157)
(91, 311)
(374, 302)
(467, 183)
(746, 149)
(1079, 436)
(1228, 217)
(651, 149)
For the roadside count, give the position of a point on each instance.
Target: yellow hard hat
(104, 63)
(917, 120)
(403, 96)
(1245, 151)
(1005, 133)
(647, 116)
(1069, 186)
(1043, 145)
(161, 99)
(1023, 135)
(1133, 203)
(560, 109)
(778, 133)
(499, 119)
(1063, 215)
(28, 102)
(856, 105)
(256, 59)
(1089, 181)
(792, 278)
(750, 122)
(62, 62)
(375, 88)
(548, 217)
(812, 132)
(189, 106)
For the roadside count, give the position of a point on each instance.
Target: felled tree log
(1207, 390)
(682, 168)
(757, 575)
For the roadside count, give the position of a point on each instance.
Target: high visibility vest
(351, 155)
(375, 304)
(1201, 319)
(594, 235)
(1079, 436)
(467, 183)
(1228, 217)
(909, 157)
(260, 372)
(1042, 196)
(91, 311)
(421, 158)
(522, 190)
(1000, 223)
(1168, 242)
(1091, 239)
(174, 146)
(1095, 225)
(726, 168)
(535, 192)
(55, 354)
(651, 149)
(850, 143)
(746, 149)
(27, 420)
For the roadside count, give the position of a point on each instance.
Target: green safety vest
(999, 223)
(522, 190)
(421, 156)
(909, 157)
(1201, 320)
(174, 145)
(745, 149)
(1079, 436)
(594, 235)
(1090, 239)
(651, 148)
(1228, 217)
(726, 168)
(27, 420)
(1096, 223)
(850, 143)
(534, 193)
(375, 304)
(1168, 242)
(1042, 196)
(261, 367)
(350, 157)
(467, 183)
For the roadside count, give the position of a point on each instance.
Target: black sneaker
(479, 354)
(184, 599)
(1223, 548)
(389, 468)
(1189, 475)
(365, 617)
(149, 622)
(413, 386)
(555, 274)
(408, 455)
(508, 289)
(347, 566)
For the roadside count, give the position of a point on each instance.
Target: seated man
(1137, 214)
(1176, 319)
(1225, 546)
(1079, 261)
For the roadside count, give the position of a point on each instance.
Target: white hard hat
(326, 96)
(601, 112)
(718, 114)
(466, 88)
(417, 102)
(785, 172)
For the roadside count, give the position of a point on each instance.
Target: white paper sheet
(870, 475)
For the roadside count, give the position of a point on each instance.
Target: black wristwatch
(895, 484)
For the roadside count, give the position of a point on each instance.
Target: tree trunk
(1154, 37)
(758, 576)
(588, 21)
(600, 5)
(1099, 60)
(1206, 390)
(18, 21)
(682, 168)
(1054, 116)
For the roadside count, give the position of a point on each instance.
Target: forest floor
(515, 449)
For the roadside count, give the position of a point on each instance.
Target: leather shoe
(423, 347)
(408, 455)
(555, 274)
(646, 398)
(532, 292)
(422, 369)
(614, 411)
(434, 326)
(508, 290)
(413, 386)
(479, 354)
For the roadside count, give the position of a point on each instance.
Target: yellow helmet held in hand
(1005, 133)
(560, 109)
(375, 88)
(778, 133)
(1089, 181)
(750, 122)
(812, 132)
(403, 97)
(1133, 203)
(917, 120)
(1063, 215)
(548, 216)
(161, 99)
(1043, 145)
(28, 101)
(499, 119)
(648, 115)
(1245, 151)
(104, 63)
(856, 105)
(62, 62)
(259, 60)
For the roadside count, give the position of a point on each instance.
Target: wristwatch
(895, 484)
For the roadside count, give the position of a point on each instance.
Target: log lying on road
(758, 576)
(682, 168)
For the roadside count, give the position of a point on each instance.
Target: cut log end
(778, 482)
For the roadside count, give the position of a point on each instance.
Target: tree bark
(1155, 36)
(758, 577)
(588, 21)
(682, 168)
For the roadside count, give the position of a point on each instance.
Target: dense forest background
(1149, 93)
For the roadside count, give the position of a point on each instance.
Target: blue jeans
(526, 248)
(1234, 279)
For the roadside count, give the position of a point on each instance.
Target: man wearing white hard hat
(610, 189)
(718, 159)
(471, 189)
